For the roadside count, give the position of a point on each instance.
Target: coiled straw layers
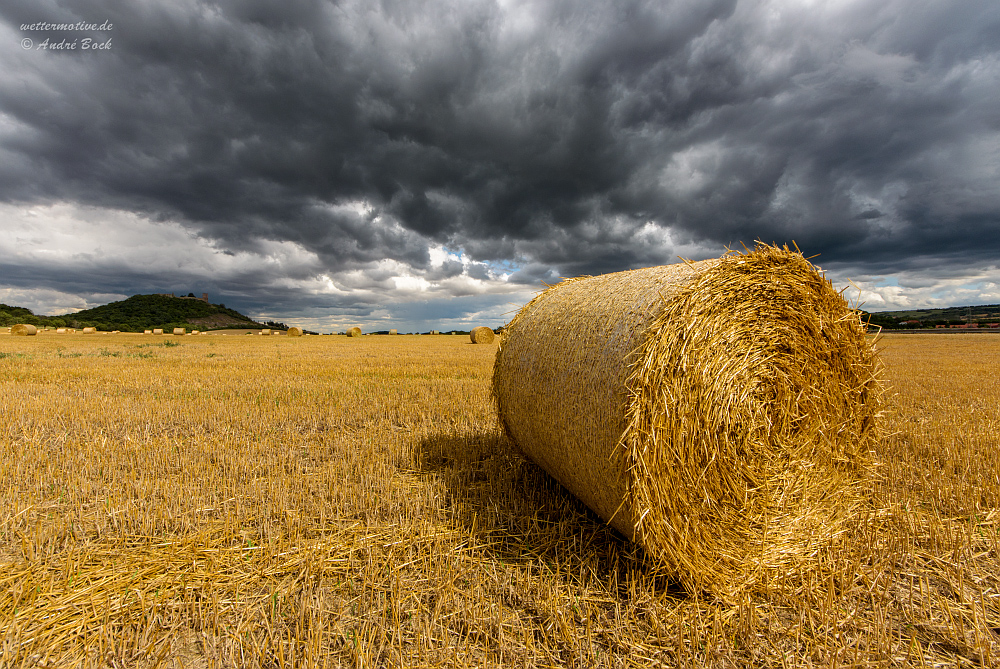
(24, 330)
(721, 413)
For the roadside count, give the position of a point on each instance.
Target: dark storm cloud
(570, 137)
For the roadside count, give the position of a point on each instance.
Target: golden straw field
(330, 501)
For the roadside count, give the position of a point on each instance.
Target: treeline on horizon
(136, 314)
(145, 312)
(931, 318)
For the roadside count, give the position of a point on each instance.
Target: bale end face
(482, 335)
(294, 332)
(354, 332)
(23, 330)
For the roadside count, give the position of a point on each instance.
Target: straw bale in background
(180, 331)
(354, 332)
(482, 335)
(23, 330)
(60, 330)
(147, 332)
(158, 331)
(392, 332)
(721, 413)
(294, 332)
(89, 330)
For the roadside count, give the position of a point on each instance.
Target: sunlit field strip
(326, 501)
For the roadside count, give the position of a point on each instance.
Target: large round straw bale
(158, 331)
(24, 330)
(89, 330)
(354, 332)
(266, 331)
(393, 331)
(482, 335)
(60, 330)
(294, 331)
(147, 332)
(721, 413)
(180, 331)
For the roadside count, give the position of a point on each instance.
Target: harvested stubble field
(331, 501)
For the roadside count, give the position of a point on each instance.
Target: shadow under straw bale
(522, 515)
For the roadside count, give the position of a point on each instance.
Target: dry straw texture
(294, 332)
(179, 331)
(354, 332)
(393, 331)
(361, 509)
(24, 330)
(158, 331)
(89, 330)
(482, 335)
(266, 331)
(720, 413)
(60, 330)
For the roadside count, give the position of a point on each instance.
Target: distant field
(326, 501)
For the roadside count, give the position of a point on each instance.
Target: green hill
(928, 318)
(12, 315)
(138, 313)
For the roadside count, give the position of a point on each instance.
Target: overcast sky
(420, 164)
